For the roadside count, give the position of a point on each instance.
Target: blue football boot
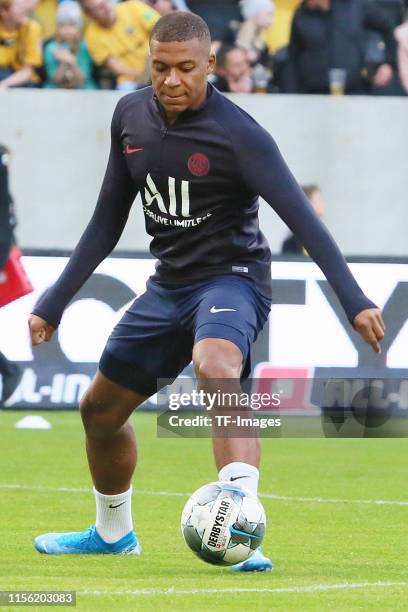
(257, 563)
(87, 542)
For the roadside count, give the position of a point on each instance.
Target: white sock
(113, 515)
(243, 473)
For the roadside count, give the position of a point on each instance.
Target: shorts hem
(127, 375)
(223, 332)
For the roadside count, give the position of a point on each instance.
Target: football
(223, 523)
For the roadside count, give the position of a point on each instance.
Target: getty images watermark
(213, 399)
(315, 407)
(229, 413)
(195, 412)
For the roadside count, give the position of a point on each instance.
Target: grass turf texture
(310, 542)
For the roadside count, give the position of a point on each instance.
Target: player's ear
(211, 64)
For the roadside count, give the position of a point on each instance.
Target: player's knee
(213, 370)
(99, 419)
(213, 366)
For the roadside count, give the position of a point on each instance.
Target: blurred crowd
(274, 46)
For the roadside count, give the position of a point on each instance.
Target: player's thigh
(230, 309)
(148, 344)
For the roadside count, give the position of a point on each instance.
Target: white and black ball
(223, 523)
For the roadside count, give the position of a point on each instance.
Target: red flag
(14, 282)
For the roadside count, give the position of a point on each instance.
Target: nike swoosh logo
(129, 150)
(111, 506)
(214, 310)
(237, 478)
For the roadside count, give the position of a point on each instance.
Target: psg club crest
(199, 164)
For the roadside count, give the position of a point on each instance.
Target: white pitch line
(328, 500)
(313, 500)
(41, 488)
(301, 589)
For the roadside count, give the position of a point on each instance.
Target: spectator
(46, 14)
(67, 61)
(20, 45)
(163, 7)
(278, 34)
(233, 71)
(223, 20)
(10, 372)
(394, 9)
(375, 54)
(292, 245)
(331, 34)
(117, 38)
(258, 16)
(401, 35)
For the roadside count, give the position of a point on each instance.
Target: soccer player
(200, 163)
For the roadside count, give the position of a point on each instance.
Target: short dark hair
(180, 26)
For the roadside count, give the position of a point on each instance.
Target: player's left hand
(370, 325)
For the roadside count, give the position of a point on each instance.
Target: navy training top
(199, 179)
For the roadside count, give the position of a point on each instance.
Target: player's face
(179, 73)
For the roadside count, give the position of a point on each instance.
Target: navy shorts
(155, 337)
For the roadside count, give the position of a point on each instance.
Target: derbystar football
(223, 523)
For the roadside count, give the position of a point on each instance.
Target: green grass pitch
(328, 554)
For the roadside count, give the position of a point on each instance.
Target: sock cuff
(118, 496)
(237, 468)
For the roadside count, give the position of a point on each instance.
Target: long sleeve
(117, 194)
(266, 173)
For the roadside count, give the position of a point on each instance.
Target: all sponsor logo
(171, 208)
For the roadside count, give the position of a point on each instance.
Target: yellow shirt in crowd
(277, 36)
(21, 47)
(127, 40)
(46, 13)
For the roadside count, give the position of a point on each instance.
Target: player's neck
(171, 117)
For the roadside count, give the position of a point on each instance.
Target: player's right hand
(40, 330)
(370, 325)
